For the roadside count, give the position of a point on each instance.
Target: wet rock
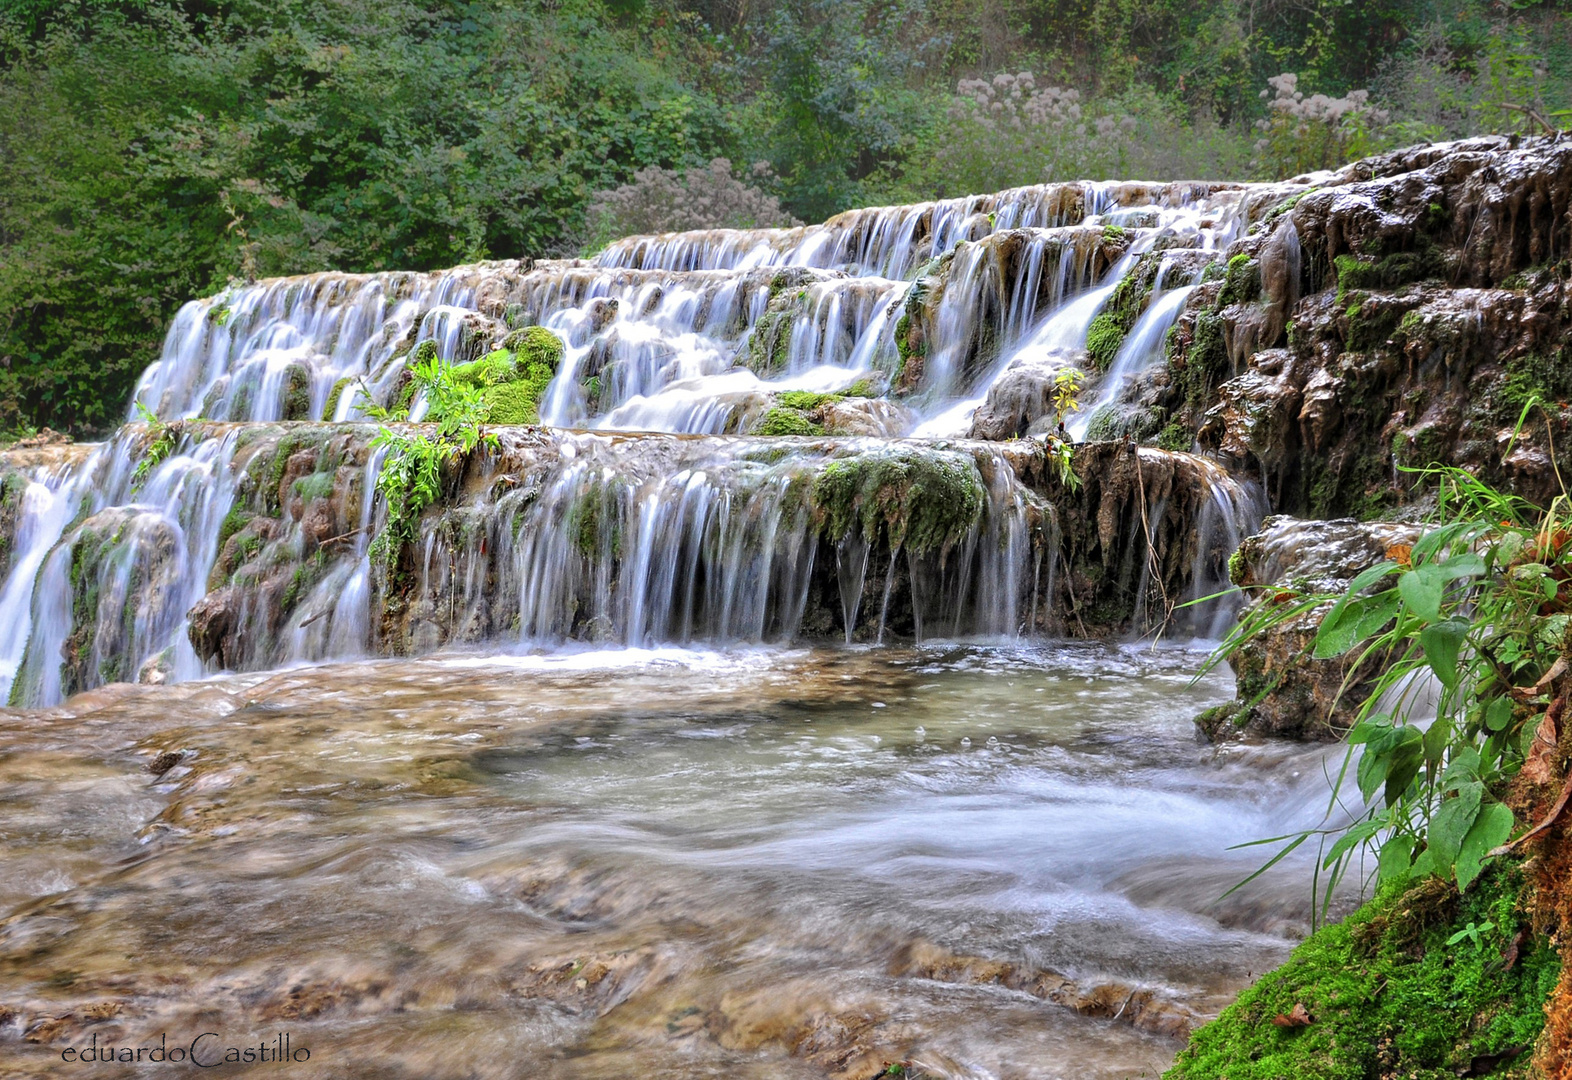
(165, 761)
(875, 417)
(1283, 690)
(1430, 302)
(157, 670)
(213, 622)
(1020, 402)
(1145, 1008)
(43, 437)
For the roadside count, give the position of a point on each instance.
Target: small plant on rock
(411, 475)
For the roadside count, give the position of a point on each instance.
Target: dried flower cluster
(1009, 130)
(1290, 104)
(664, 200)
(1315, 131)
(1015, 102)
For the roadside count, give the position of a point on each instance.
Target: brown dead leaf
(1538, 768)
(1510, 953)
(1297, 1017)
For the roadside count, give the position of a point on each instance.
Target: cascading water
(877, 323)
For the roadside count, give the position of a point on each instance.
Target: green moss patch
(1241, 281)
(1399, 268)
(925, 499)
(1419, 983)
(514, 378)
(787, 421)
(331, 408)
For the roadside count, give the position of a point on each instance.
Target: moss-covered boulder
(514, 378)
(922, 498)
(1419, 983)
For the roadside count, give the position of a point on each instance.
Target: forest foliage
(156, 150)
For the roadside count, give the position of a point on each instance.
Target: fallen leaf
(1545, 823)
(1298, 1016)
(1538, 768)
(1485, 1064)
(1509, 954)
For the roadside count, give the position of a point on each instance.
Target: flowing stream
(989, 861)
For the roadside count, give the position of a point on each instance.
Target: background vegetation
(153, 150)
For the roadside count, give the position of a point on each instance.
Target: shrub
(1011, 131)
(1480, 604)
(1302, 134)
(664, 200)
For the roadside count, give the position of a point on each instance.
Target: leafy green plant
(165, 437)
(1477, 610)
(1062, 454)
(1066, 394)
(411, 475)
(1473, 932)
(1065, 399)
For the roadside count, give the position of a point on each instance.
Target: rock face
(1020, 402)
(1428, 301)
(1282, 688)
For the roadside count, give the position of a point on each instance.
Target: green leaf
(1396, 859)
(1438, 539)
(1335, 635)
(1489, 831)
(1451, 824)
(1463, 564)
(1498, 714)
(1371, 727)
(1357, 834)
(1406, 759)
(1442, 642)
(1438, 739)
(1462, 769)
(1366, 578)
(1422, 589)
(1376, 612)
(1371, 774)
(1353, 620)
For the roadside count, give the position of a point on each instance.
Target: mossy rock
(923, 499)
(317, 485)
(1355, 272)
(1123, 310)
(517, 402)
(535, 345)
(1530, 377)
(1103, 339)
(782, 420)
(514, 378)
(1241, 281)
(1389, 992)
(497, 366)
(1205, 363)
(297, 392)
(1177, 437)
(330, 410)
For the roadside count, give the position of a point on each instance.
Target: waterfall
(237, 533)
